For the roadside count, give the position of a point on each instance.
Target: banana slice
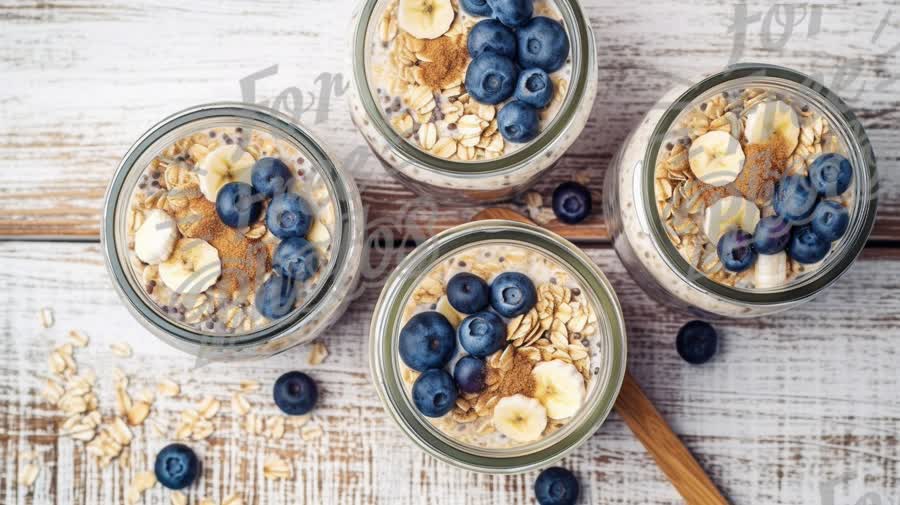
(559, 386)
(520, 418)
(425, 19)
(771, 270)
(773, 118)
(444, 307)
(224, 164)
(728, 213)
(193, 267)
(716, 158)
(155, 239)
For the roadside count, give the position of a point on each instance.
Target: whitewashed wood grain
(790, 402)
(82, 80)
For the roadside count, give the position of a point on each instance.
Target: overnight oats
(748, 194)
(500, 347)
(471, 95)
(230, 226)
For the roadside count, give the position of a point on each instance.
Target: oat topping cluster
(520, 374)
(422, 67)
(727, 178)
(229, 229)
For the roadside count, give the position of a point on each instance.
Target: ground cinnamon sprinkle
(518, 379)
(243, 260)
(447, 61)
(765, 163)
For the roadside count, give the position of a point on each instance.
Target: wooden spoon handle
(672, 457)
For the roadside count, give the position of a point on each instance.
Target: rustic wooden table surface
(802, 408)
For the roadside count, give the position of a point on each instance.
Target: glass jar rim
(861, 155)
(384, 365)
(583, 48)
(118, 194)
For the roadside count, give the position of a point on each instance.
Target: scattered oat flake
(317, 353)
(28, 474)
(248, 386)
(78, 339)
(239, 404)
(178, 498)
(311, 432)
(121, 349)
(47, 318)
(233, 499)
(142, 481)
(209, 407)
(275, 467)
(206, 501)
(168, 387)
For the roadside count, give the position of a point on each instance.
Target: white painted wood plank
(790, 402)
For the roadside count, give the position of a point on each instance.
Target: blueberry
(434, 393)
(534, 88)
(556, 486)
(831, 174)
(238, 204)
(794, 198)
(512, 13)
(276, 297)
(295, 258)
(491, 78)
(295, 393)
(468, 293)
(476, 7)
(518, 122)
(491, 35)
(469, 374)
(543, 43)
(571, 202)
(807, 246)
(830, 220)
(512, 294)
(288, 216)
(482, 334)
(270, 176)
(736, 251)
(176, 466)
(772, 235)
(427, 341)
(697, 342)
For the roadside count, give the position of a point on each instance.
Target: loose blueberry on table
(176, 466)
(556, 486)
(697, 342)
(295, 393)
(571, 202)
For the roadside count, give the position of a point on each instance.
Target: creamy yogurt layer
(230, 229)
(505, 380)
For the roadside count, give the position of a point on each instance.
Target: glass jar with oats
(744, 195)
(497, 346)
(230, 232)
(470, 102)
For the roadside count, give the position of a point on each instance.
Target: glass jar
(606, 345)
(486, 180)
(215, 313)
(644, 244)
